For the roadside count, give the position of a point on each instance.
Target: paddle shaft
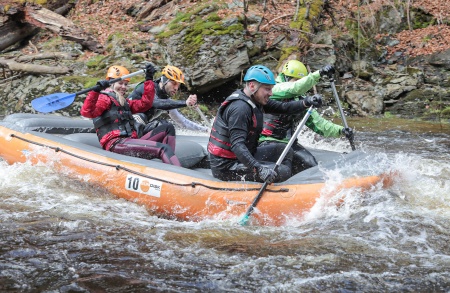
(203, 116)
(59, 101)
(251, 208)
(344, 121)
(112, 81)
(122, 78)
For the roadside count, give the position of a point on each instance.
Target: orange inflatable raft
(188, 193)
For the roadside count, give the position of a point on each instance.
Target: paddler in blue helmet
(233, 142)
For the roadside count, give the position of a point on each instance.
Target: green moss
(96, 62)
(86, 81)
(316, 8)
(302, 24)
(90, 82)
(53, 43)
(203, 108)
(421, 19)
(115, 37)
(213, 17)
(194, 25)
(420, 95)
(413, 71)
(446, 113)
(285, 53)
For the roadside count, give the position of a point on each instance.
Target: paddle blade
(244, 220)
(52, 102)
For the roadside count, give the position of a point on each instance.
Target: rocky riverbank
(375, 77)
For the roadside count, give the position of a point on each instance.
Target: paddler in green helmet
(293, 82)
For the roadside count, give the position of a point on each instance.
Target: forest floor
(103, 18)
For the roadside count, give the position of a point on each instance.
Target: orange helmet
(117, 71)
(173, 73)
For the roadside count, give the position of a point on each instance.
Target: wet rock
(363, 69)
(210, 60)
(365, 102)
(441, 59)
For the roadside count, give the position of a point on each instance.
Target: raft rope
(119, 167)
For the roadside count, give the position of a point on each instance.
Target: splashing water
(60, 234)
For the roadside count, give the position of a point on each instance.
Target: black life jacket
(152, 113)
(280, 126)
(219, 141)
(117, 118)
(277, 126)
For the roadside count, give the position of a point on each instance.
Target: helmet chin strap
(164, 81)
(286, 78)
(257, 88)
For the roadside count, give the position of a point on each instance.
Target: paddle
(344, 121)
(56, 101)
(251, 208)
(197, 108)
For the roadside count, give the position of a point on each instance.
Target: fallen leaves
(104, 18)
(422, 41)
(429, 40)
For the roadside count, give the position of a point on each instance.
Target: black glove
(348, 132)
(101, 85)
(266, 174)
(315, 101)
(327, 70)
(149, 71)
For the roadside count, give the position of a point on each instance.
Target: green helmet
(295, 69)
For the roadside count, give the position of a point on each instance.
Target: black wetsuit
(233, 146)
(162, 103)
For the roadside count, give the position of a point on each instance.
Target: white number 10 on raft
(143, 185)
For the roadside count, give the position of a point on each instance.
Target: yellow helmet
(295, 69)
(173, 73)
(117, 71)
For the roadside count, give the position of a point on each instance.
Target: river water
(61, 235)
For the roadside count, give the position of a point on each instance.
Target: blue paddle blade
(52, 102)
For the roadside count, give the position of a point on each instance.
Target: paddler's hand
(191, 101)
(348, 132)
(101, 85)
(315, 101)
(149, 71)
(327, 70)
(266, 174)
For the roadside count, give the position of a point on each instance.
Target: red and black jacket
(118, 118)
(219, 142)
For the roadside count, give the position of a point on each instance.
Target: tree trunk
(51, 55)
(44, 18)
(12, 32)
(33, 68)
(21, 21)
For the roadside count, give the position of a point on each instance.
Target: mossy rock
(445, 114)
(421, 19)
(423, 95)
(197, 25)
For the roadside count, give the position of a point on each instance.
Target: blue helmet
(261, 74)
